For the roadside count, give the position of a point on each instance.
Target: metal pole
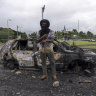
(17, 31)
(8, 27)
(78, 25)
(43, 8)
(78, 28)
(20, 28)
(42, 15)
(20, 31)
(64, 32)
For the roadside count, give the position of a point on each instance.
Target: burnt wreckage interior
(66, 56)
(23, 45)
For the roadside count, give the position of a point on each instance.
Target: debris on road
(56, 84)
(87, 72)
(18, 93)
(33, 76)
(13, 70)
(86, 81)
(18, 72)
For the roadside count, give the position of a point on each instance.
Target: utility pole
(78, 25)
(17, 31)
(20, 31)
(64, 32)
(78, 28)
(8, 27)
(43, 8)
(20, 28)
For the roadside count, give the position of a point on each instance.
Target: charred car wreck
(24, 53)
(16, 53)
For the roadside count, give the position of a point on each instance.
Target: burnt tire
(4, 64)
(11, 65)
(7, 65)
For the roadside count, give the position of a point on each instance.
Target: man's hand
(45, 36)
(42, 38)
(44, 41)
(48, 40)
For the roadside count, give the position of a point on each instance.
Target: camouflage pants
(50, 56)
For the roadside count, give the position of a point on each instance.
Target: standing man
(45, 38)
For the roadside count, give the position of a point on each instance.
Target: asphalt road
(28, 83)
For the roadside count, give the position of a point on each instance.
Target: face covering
(44, 29)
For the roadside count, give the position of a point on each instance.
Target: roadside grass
(81, 42)
(86, 39)
(86, 43)
(89, 47)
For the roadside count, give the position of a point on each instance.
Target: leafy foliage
(74, 34)
(32, 35)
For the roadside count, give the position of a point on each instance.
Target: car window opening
(23, 45)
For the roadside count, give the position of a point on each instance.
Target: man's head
(44, 23)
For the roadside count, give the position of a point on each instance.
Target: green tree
(82, 34)
(89, 34)
(32, 35)
(75, 32)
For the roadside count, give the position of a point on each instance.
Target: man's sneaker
(44, 77)
(54, 77)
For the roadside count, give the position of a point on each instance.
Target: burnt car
(74, 57)
(19, 53)
(24, 53)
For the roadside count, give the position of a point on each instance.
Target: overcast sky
(27, 14)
